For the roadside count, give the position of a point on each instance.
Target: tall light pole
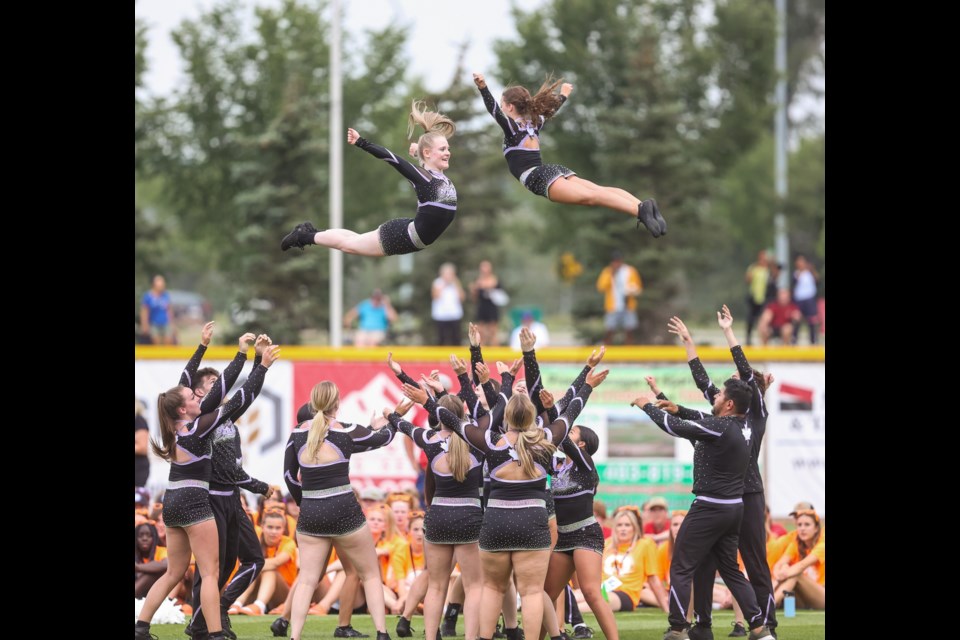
(336, 177)
(782, 247)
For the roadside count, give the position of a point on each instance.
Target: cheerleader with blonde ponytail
(316, 469)
(436, 195)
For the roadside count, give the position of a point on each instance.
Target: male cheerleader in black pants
(712, 525)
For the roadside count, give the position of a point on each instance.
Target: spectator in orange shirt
(632, 560)
(401, 504)
(279, 569)
(417, 578)
(802, 567)
(149, 559)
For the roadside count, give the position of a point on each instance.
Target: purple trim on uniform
(286, 474)
(509, 149)
(451, 207)
(427, 440)
(719, 500)
(496, 447)
(573, 495)
(222, 493)
(473, 465)
(535, 464)
(666, 425)
(676, 598)
(322, 464)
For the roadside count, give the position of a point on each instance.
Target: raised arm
(189, 374)
(492, 107)
(744, 370)
(596, 356)
(531, 369)
(412, 431)
(677, 427)
(560, 427)
(700, 376)
(224, 383)
(472, 433)
(404, 167)
(242, 399)
(367, 439)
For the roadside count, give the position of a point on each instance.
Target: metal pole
(336, 177)
(782, 246)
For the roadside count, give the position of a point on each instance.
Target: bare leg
(589, 566)
(417, 593)
(359, 548)
(550, 623)
(496, 574)
(575, 190)
(313, 554)
(812, 594)
(510, 620)
(468, 555)
(530, 569)
(366, 244)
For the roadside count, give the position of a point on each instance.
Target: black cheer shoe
(648, 213)
(301, 236)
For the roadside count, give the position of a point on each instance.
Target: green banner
(645, 473)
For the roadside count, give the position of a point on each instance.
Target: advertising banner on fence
(638, 458)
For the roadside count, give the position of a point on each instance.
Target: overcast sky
(437, 29)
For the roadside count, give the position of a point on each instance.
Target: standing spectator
(778, 319)
(757, 277)
(485, 291)
(447, 310)
(805, 279)
(772, 286)
(375, 315)
(538, 328)
(141, 439)
(620, 283)
(156, 315)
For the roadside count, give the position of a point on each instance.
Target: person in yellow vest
(620, 285)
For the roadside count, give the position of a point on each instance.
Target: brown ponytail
(167, 404)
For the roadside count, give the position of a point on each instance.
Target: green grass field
(642, 625)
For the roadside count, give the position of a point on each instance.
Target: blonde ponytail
(435, 124)
(458, 454)
(520, 415)
(324, 398)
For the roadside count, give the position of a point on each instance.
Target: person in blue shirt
(375, 315)
(156, 314)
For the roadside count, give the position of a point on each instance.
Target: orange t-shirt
(633, 565)
(160, 553)
(819, 568)
(413, 565)
(288, 569)
(776, 547)
(393, 567)
(664, 557)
